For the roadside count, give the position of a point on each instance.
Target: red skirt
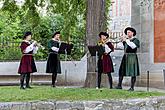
(27, 65)
(105, 64)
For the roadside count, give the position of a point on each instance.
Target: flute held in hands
(38, 44)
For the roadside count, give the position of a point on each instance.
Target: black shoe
(111, 88)
(53, 85)
(28, 87)
(118, 87)
(130, 89)
(22, 88)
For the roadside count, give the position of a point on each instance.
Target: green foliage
(67, 16)
(73, 12)
(107, 10)
(12, 94)
(9, 50)
(62, 15)
(10, 5)
(9, 54)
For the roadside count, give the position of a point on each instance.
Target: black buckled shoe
(118, 87)
(29, 87)
(111, 88)
(54, 85)
(131, 89)
(23, 88)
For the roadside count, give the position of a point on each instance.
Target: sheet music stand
(65, 48)
(94, 50)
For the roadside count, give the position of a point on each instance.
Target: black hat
(104, 33)
(58, 32)
(27, 34)
(130, 29)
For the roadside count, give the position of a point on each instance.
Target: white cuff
(55, 49)
(120, 45)
(131, 44)
(35, 49)
(33, 43)
(29, 48)
(107, 49)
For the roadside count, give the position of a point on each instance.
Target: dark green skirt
(53, 64)
(129, 65)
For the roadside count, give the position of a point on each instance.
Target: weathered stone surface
(5, 106)
(78, 106)
(92, 104)
(63, 105)
(156, 103)
(42, 106)
(21, 106)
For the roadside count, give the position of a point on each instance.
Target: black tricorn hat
(130, 29)
(57, 32)
(104, 33)
(27, 34)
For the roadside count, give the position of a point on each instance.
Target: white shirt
(31, 47)
(130, 43)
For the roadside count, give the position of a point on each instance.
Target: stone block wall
(157, 103)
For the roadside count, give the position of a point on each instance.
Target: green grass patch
(13, 93)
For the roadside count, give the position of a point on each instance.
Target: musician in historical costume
(105, 64)
(27, 64)
(129, 65)
(53, 62)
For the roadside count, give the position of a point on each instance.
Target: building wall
(159, 31)
(142, 19)
(120, 13)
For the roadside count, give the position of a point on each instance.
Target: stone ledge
(152, 103)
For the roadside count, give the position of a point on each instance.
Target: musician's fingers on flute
(34, 42)
(37, 44)
(123, 38)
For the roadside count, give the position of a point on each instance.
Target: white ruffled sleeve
(120, 45)
(28, 48)
(131, 44)
(55, 49)
(35, 49)
(107, 49)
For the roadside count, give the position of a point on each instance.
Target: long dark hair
(27, 34)
(58, 32)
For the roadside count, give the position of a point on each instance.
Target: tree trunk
(95, 24)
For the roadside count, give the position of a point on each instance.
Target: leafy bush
(42, 33)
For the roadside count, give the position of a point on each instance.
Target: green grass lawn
(13, 93)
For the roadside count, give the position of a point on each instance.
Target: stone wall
(76, 73)
(157, 103)
(73, 73)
